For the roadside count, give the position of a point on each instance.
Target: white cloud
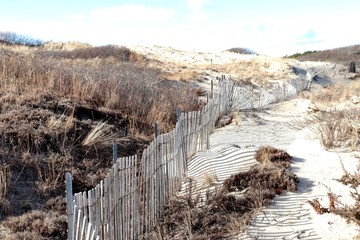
(75, 17)
(196, 5)
(133, 13)
(197, 11)
(275, 35)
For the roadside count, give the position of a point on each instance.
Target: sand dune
(290, 216)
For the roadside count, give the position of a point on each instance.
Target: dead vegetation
(338, 121)
(227, 210)
(61, 111)
(350, 212)
(336, 94)
(177, 65)
(339, 128)
(37, 225)
(335, 116)
(257, 71)
(342, 55)
(278, 157)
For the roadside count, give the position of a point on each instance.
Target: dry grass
(100, 134)
(268, 154)
(337, 115)
(339, 126)
(121, 54)
(179, 65)
(209, 179)
(97, 77)
(338, 55)
(5, 178)
(57, 110)
(183, 75)
(258, 70)
(224, 212)
(37, 225)
(64, 46)
(336, 94)
(351, 213)
(272, 177)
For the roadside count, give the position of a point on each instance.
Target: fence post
(260, 107)
(212, 89)
(178, 112)
(211, 69)
(183, 147)
(69, 204)
(156, 129)
(115, 152)
(352, 68)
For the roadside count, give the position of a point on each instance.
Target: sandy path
(289, 216)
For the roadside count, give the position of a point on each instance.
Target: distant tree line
(296, 55)
(241, 50)
(19, 39)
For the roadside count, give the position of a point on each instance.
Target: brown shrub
(223, 213)
(134, 90)
(49, 105)
(351, 213)
(339, 128)
(57, 204)
(44, 225)
(121, 54)
(241, 50)
(343, 55)
(26, 235)
(266, 177)
(5, 207)
(336, 94)
(215, 219)
(278, 157)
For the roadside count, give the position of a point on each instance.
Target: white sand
(290, 216)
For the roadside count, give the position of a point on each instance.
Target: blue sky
(272, 27)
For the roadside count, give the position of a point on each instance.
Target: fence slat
(128, 202)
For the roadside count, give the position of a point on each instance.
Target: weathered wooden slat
(100, 193)
(128, 197)
(128, 202)
(116, 213)
(70, 205)
(121, 226)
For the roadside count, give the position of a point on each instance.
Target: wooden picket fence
(128, 202)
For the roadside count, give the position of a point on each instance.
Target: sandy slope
(189, 66)
(290, 216)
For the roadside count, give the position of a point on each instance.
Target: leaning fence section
(128, 202)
